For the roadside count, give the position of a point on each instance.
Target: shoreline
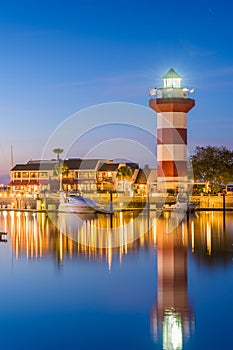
(56, 211)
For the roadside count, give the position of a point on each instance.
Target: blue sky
(58, 57)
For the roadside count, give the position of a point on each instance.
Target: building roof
(89, 164)
(72, 164)
(133, 165)
(108, 167)
(171, 74)
(114, 166)
(153, 176)
(142, 176)
(145, 175)
(35, 166)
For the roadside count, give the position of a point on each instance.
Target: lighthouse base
(172, 183)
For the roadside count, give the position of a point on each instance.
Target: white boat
(77, 204)
(181, 206)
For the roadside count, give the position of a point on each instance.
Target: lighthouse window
(172, 82)
(176, 83)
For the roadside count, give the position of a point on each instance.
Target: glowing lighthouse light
(171, 79)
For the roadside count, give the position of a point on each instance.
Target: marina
(110, 204)
(116, 175)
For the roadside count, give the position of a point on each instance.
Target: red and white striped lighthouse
(172, 105)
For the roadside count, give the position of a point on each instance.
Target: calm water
(121, 282)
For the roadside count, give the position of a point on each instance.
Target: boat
(77, 204)
(181, 206)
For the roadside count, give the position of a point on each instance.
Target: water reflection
(105, 231)
(208, 234)
(211, 237)
(171, 315)
(34, 235)
(207, 237)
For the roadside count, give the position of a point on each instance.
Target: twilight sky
(58, 57)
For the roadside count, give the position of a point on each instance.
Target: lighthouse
(172, 103)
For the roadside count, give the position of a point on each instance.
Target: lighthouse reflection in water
(172, 312)
(153, 264)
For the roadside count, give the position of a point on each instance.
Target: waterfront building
(84, 175)
(172, 103)
(146, 181)
(108, 178)
(38, 175)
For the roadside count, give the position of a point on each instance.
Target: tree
(213, 165)
(124, 173)
(58, 151)
(60, 170)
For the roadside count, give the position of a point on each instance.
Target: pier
(120, 203)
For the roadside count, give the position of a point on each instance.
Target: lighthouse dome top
(172, 79)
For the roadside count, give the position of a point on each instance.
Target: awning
(24, 183)
(33, 183)
(15, 183)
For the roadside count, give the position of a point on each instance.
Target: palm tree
(58, 151)
(60, 170)
(124, 173)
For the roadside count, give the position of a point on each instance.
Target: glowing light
(208, 237)
(60, 247)
(172, 331)
(192, 231)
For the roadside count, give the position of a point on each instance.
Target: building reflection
(206, 236)
(171, 314)
(102, 237)
(211, 237)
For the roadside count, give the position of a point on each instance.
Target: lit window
(92, 174)
(43, 174)
(25, 175)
